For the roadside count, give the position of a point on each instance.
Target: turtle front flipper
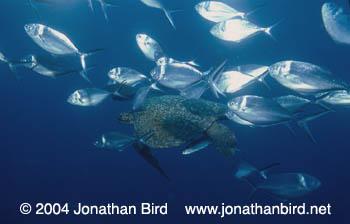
(223, 138)
(146, 153)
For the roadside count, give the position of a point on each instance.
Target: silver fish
(158, 5)
(49, 66)
(285, 185)
(292, 103)
(196, 146)
(182, 77)
(336, 98)
(237, 30)
(305, 78)
(176, 75)
(167, 60)
(129, 76)
(235, 118)
(290, 185)
(114, 141)
(88, 97)
(55, 42)
(259, 110)
(217, 11)
(236, 78)
(149, 47)
(336, 22)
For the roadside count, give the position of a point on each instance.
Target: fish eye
(222, 27)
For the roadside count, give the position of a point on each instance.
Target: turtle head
(126, 118)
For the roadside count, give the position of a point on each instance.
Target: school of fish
(308, 85)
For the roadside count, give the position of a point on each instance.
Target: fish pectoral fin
(305, 126)
(146, 154)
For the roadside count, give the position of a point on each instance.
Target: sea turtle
(174, 120)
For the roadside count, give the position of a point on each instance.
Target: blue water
(46, 144)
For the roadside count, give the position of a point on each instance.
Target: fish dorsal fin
(267, 168)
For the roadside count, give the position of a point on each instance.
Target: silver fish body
(176, 75)
(49, 66)
(88, 97)
(237, 30)
(196, 146)
(259, 110)
(305, 78)
(114, 141)
(128, 76)
(290, 185)
(336, 98)
(292, 103)
(236, 78)
(149, 47)
(217, 11)
(235, 118)
(50, 40)
(336, 22)
(56, 43)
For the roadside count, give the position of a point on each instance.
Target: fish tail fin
(213, 76)
(140, 97)
(306, 127)
(195, 91)
(30, 3)
(304, 123)
(13, 69)
(318, 101)
(142, 94)
(156, 87)
(262, 80)
(324, 106)
(92, 52)
(104, 9)
(244, 169)
(83, 57)
(268, 29)
(170, 18)
(254, 10)
(287, 124)
(83, 74)
(254, 190)
(267, 168)
(82, 61)
(91, 6)
(116, 94)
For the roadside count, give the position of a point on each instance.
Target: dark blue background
(46, 144)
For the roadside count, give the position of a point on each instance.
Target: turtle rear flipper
(223, 138)
(146, 153)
